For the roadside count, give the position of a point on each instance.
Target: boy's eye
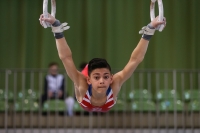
(106, 77)
(96, 77)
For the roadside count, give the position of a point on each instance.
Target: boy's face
(100, 78)
(53, 70)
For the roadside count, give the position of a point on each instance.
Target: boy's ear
(111, 78)
(88, 80)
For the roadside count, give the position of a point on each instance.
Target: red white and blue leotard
(86, 104)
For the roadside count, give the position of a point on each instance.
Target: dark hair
(97, 63)
(52, 64)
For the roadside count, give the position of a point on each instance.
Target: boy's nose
(101, 80)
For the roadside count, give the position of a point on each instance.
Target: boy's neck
(98, 100)
(97, 96)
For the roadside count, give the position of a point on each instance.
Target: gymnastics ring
(45, 11)
(161, 12)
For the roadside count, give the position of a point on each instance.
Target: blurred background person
(54, 88)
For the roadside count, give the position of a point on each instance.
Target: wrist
(57, 35)
(56, 23)
(146, 37)
(58, 28)
(147, 31)
(150, 26)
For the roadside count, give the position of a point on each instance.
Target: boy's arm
(65, 55)
(137, 56)
(64, 50)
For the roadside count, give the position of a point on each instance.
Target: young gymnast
(98, 90)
